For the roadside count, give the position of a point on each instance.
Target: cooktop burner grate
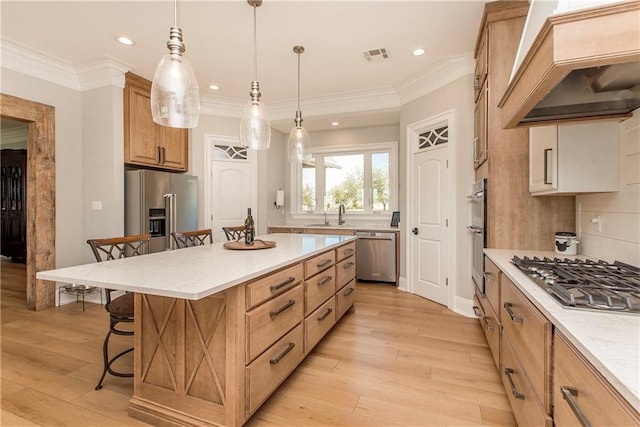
(585, 283)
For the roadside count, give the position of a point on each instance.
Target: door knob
(415, 231)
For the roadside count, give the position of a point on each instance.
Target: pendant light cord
(175, 13)
(298, 82)
(255, 44)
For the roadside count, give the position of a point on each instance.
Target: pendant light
(175, 97)
(299, 143)
(255, 127)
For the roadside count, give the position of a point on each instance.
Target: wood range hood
(583, 65)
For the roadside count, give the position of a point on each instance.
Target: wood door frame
(41, 194)
(413, 131)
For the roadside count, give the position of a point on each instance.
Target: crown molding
(98, 72)
(446, 71)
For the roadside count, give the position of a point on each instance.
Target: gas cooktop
(586, 284)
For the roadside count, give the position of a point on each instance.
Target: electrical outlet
(597, 222)
(96, 205)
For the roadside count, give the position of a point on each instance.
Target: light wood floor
(396, 360)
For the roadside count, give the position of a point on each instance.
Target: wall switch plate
(96, 205)
(597, 221)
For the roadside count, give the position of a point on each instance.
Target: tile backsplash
(609, 223)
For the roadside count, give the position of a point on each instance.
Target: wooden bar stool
(186, 239)
(234, 233)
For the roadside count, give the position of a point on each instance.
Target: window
(361, 178)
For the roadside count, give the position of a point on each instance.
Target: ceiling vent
(376, 55)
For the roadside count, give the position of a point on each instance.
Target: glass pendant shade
(255, 127)
(175, 96)
(299, 145)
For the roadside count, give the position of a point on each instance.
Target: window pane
(344, 183)
(380, 181)
(308, 186)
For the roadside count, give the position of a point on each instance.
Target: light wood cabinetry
(488, 304)
(215, 360)
(576, 158)
(480, 128)
(581, 396)
(146, 143)
(515, 219)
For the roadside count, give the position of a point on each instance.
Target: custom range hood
(581, 66)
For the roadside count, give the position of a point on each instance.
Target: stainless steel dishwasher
(376, 256)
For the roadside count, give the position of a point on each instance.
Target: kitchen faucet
(340, 213)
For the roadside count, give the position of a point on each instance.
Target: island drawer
(345, 298)
(272, 320)
(266, 373)
(345, 251)
(492, 284)
(579, 389)
(345, 272)
(530, 335)
(319, 263)
(319, 323)
(521, 396)
(273, 285)
(318, 289)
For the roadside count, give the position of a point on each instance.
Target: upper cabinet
(147, 143)
(582, 65)
(576, 158)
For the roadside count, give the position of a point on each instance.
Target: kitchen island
(217, 330)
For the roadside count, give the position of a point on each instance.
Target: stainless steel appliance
(376, 256)
(586, 284)
(160, 203)
(478, 231)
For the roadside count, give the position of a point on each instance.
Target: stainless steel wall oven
(478, 228)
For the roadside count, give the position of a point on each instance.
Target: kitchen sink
(327, 225)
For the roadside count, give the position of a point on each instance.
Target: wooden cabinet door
(543, 152)
(480, 129)
(481, 66)
(141, 139)
(175, 144)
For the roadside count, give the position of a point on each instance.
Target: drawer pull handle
(516, 393)
(324, 316)
(277, 311)
(485, 319)
(324, 263)
(324, 281)
(487, 276)
(568, 393)
(349, 292)
(279, 357)
(282, 284)
(475, 310)
(349, 265)
(349, 252)
(508, 306)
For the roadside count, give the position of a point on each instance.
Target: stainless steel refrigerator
(160, 203)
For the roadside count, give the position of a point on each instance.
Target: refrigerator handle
(170, 209)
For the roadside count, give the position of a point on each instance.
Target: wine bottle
(249, 229)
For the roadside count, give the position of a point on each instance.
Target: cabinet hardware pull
(349, 292)
(487, 276)
(475, 149)
(349, 251)
(279, 357)
(282, 284)
(516, 393)
(547, 163)
(324, 316)
(324, 281)
(475, 310)
(485, 320)
(323, 263)
(512, 315)
(348, 265)
(277, 311)
(476, 82)
(158, 158)
(568, 393)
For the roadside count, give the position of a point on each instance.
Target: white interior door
(429, 218)
(232, 186)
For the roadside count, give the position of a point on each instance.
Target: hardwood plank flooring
(395, 360)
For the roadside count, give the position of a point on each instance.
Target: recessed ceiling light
(418, 52)
(214, 87)
(335, 123)
(127, 41)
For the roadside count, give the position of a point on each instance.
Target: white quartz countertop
(347, 226)
(197, 272)
(610, 341)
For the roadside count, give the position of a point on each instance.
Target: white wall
(69, 180)
(355, 136)
(619, 213)
(272, 167)
(457, 96)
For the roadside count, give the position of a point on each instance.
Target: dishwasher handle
(375, 236)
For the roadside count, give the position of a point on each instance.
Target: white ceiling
(219, 42)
